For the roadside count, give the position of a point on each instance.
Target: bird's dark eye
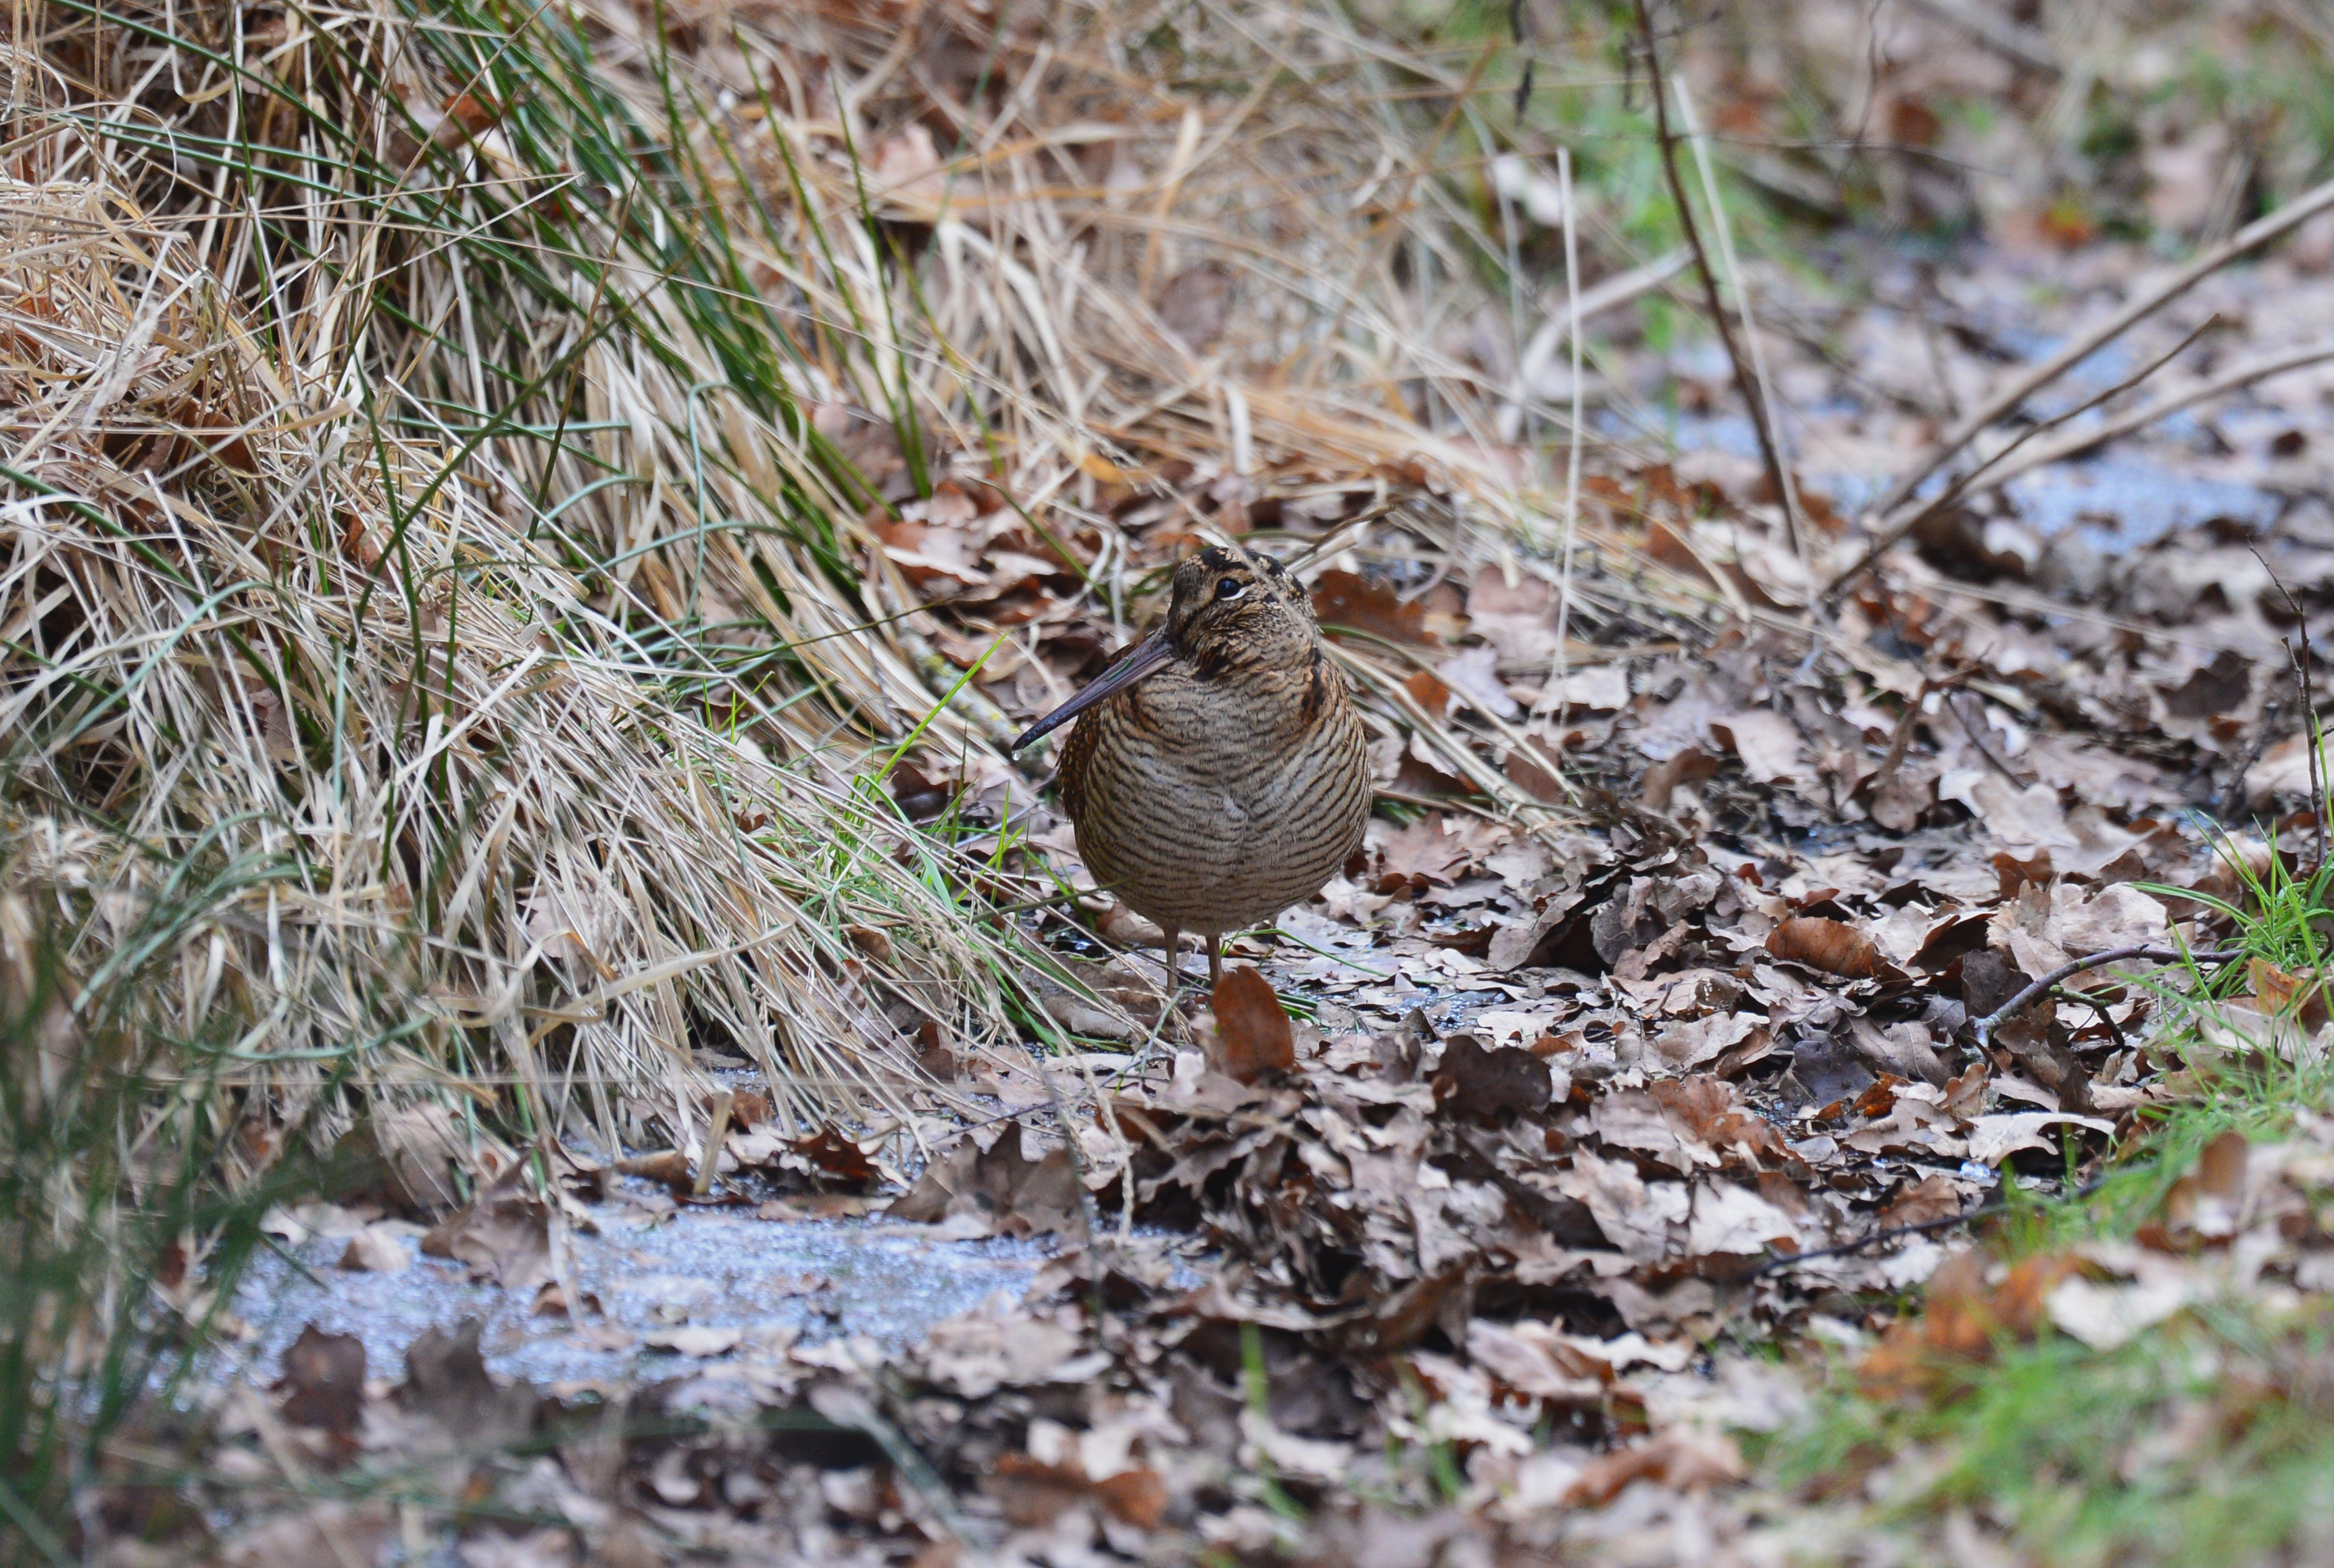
(1229, 588)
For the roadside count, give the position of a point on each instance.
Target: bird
(1217, 772)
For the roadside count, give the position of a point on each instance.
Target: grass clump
(2206, 1442)
(131, 1194)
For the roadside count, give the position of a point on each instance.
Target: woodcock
(1217, 773)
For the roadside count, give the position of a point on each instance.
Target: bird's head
(1230, 608)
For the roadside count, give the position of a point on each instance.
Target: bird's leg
(1174, 975)
(1215, 962)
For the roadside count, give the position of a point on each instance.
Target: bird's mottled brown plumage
(1230, 781)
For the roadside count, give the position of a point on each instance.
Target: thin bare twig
(1572, 452)
(2245, 241)
(1985, 1027)
(1989, 476)
(2074, 443)
(1746, 381)
(1787, 493)
(1873, 1239)
(2015, 40)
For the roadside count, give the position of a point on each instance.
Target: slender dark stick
(2034, 993)
(1745, 381)
(2311, 735)
(1791, 1260)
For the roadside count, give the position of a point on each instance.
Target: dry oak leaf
(1835, 946)
(1252, 1034)
(1344, 600)
(1993, 1138)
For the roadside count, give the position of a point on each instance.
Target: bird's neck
(1228, 660)
(1268, 695)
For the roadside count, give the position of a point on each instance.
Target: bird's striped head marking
(1234, 606)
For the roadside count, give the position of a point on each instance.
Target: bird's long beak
(1144, 659)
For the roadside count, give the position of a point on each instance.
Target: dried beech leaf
(1966, 1317)
(1253, 1036)
(1001, 1190)
(509, 1238)
(1474, 1082)
(1835, 946)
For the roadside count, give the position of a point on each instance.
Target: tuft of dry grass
(470, 843)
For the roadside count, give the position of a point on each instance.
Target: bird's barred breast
(1198, 820)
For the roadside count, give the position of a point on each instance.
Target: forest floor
(1584, 1211)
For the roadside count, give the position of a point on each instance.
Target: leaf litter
(1474, 1253)
(1583, 1110)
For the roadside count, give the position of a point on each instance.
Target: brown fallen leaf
(1662, 779)
(1033, 1492)
(1001, 1187)
(405, 1160)
(1122, 926)
(1252, 1034)
(837, 1159)
(1682, 1458)
(1346, 601)
(1709, 1109)
(324, 1382)
(1424, 854)
(373, 1250)
(509, 1238)
(1474, 1082)
(1834, 946)
(2202, 1206)
(2301, 997)
(1936, 1198)
(466, 115)
(1427, 689)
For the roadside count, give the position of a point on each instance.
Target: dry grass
(439, 489)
